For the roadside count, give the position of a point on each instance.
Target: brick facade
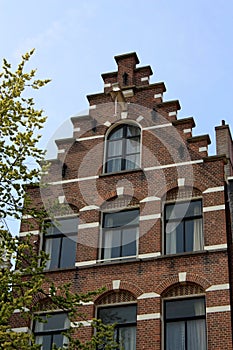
(173, 167)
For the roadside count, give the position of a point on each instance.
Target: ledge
(121, 172)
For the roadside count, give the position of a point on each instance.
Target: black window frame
(122, 229)
(184, 319)
(119, 326)
(185, 219)
(124, 154)
(51, 332)
(61, 236)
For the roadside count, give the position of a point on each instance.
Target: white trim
(213, 208)
(24, 309)
(148, 295)
(92, 107)
(76, 129)
(74, 180)
(107, 123)
(172, 113)
(187, 131)
(222, 308)
(121, 258)
(140, 118)
(106, 85)
(85, 263)
(173, 165)
(157, 126)
(81, 323)
(88, 225)
(149, 217)
(61, 151)
(182, 276)
(214, 189)
(144, 317)
(230, 178)
(158, 96)
(86, 302)
(149, 255)
(90, 138)
(89, 207)
(124, 115)
(128, 93)
(20, 329)
(25, 233)
(120, 191)
(150, 199)
(181, 182)
(27, 217)
(217, 246)
(116, 284)
(61, 199)
(215, 287)
(203, 149)
(145, 79)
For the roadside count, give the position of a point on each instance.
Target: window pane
(129, 242)
(175, 336)
(52, 247)
(127, 337)
(184, 209)
(54, 322)
(185, 308)
(196, 335)
(68, 252)
(114, 164)
(133, 130)
(63, 226)
(114, 148)
(132, 146)
(113, 241)
(119, 315)
(122, 218)
(44, 340)
(132, 162)
(58, 339)
(116, 134)
(174, 238)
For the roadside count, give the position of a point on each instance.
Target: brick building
(146, 212)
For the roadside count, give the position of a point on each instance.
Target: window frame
(122, 325)
(46, 236)
(190, 218)
(184, 319)
(52, 331)
(102, 230)
(123, 154)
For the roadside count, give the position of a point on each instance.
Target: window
(60, 243)
(119, 235)
(125, 318)
(183, 227)
(185, 327)
(123, 148)
(49, 331)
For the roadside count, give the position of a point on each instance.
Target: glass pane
(132, 146)
(122, 218)
(119, 315)
(196, 335)
(44, 340)
(189, 230)
(113, 165)
(58, 340)
(114, 148)
(54, 322)
(132, 162)
(52, 247)
(133, 130)
(175, 336)
(63, 226)
(185, 308)
(127, 337)
(183, 210)
(174, 238)
(115, 243)
(129, 242)
(68, 252)
(116, 134)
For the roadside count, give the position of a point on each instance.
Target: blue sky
(187, 43)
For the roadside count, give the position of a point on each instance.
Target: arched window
(123, 148)
(185, 318)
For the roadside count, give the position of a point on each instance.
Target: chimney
(224, 145)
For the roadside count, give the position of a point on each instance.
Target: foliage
(20, 159)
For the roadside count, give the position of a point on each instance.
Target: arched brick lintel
(124, 286)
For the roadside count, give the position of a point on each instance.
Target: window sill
(117, 260)
(121, 172)
(59, 269)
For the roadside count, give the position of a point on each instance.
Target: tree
(21, 274)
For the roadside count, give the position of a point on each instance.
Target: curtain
(175, 336)
(127, 337)
(196, 334)
(171, 238)
(197, 235)
(108, 237)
